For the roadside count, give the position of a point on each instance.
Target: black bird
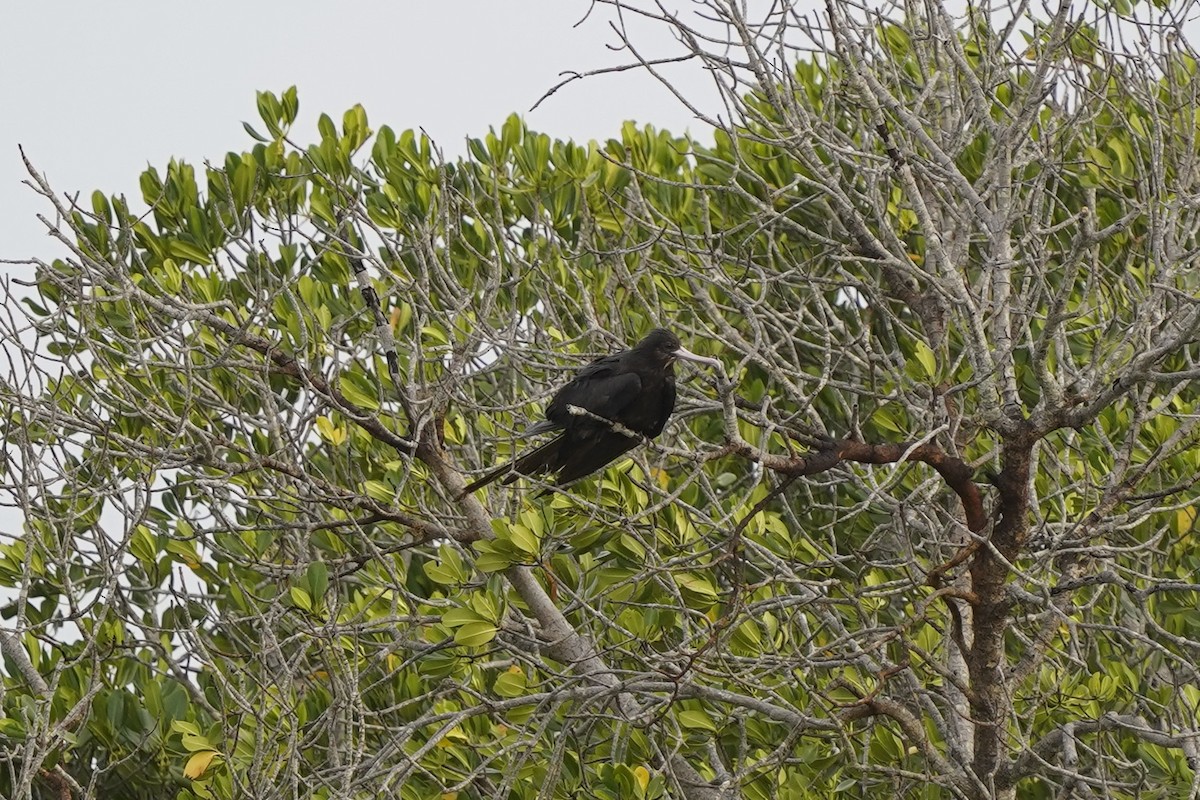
(634, 389)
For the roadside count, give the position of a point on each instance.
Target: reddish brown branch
(58, 784)
(956, 472)
(828, 454)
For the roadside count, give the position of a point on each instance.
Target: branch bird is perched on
(604, 412)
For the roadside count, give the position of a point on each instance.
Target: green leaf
(524, 539)
(300, 598)
(322, 208)
(188, 251)
(448, 570)
(510, 683)
(378, 490)
(193, 741)
(474, 634)
(326, 127)
(101, 207)
(926, 358)
(457, 617)
(439, 574)
(491, 558)
(291, 105)
(697, 720)
(354, 125)
(631, 547)
(355, 389)
(271, 113)
(185, 728)
(510, 132)
(884, 418)
(144, 546)
(493, 562)
(697, 587)
(115, 709)
(748, 636)
(255, 135)
(318, 579)
(183, 549)
(435, 334)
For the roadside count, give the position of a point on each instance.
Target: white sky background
(97, 91)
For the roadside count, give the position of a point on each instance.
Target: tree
(930, 535)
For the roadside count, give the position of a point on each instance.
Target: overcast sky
(96, 91)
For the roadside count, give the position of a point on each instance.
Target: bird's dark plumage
(634, 389)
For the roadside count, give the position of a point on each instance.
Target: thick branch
(956, 472)
(564, 643)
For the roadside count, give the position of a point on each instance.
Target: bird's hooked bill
(684, 353)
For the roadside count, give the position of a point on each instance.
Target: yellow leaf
(1185, 518)
(198, 764)
(926, 359)
(643, 777)
(661, 477)
(450, 431)
(329, 432)
(453, 737)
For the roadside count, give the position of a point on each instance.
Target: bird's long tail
(540, 459)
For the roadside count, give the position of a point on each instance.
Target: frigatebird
(610, 406)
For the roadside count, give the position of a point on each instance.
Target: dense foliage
(930, 534)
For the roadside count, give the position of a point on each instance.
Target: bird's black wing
(601, 387)
(608, 390)
(542, 426)
(667, 406)
(597, 386)
(538, 460)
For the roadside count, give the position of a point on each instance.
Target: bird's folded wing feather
(667, 405)
(538, 460)
(602, 392)
(545, 426)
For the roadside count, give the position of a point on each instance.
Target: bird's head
(665, 348)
